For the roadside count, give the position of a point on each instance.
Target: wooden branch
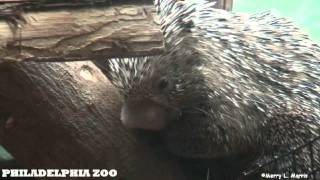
(66, 115)
(224, 4)
(228, 5)
(82, 34)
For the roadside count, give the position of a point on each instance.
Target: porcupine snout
(144, 114)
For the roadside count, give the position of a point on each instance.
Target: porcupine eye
(163, 84)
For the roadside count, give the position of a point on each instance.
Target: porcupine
(227, 85)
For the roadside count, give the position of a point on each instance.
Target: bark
(81, 34)
(224, 4)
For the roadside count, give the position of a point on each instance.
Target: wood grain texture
(82, 34)
(224, 4)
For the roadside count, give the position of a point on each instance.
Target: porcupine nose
(144, 114)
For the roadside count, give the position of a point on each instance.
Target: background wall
(305, 13)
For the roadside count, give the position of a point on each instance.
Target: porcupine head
(208, 94)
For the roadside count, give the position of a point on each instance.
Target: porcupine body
(223, 79)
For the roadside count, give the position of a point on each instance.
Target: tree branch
(82, 34)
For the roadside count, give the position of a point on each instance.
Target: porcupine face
(155, 89)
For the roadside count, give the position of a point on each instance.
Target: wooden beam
(224, 4)
(228, 5)
(82, 34)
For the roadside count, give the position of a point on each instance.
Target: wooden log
(224, 4)
(82, 34)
